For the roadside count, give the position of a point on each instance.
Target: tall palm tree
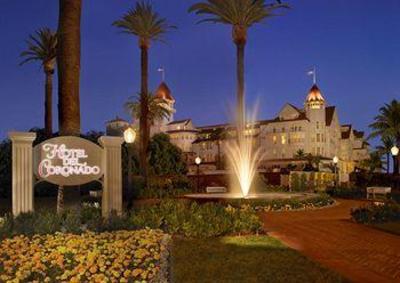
(69, 65)
(42, 47)
(384, 149)
(147, 25)
(387, 124)
(241, 15)
(156, 108)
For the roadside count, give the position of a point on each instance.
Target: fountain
(244, 158)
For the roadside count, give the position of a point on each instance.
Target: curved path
(358, 252)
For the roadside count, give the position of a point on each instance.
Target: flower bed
(123, 256)
(377, 213)
(318, 201)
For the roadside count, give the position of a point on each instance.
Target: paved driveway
(359, 253)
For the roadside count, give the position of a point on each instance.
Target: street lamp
(395, 152)
(198, 162)
(335, 163)
(130, 137)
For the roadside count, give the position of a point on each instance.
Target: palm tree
(68, 62)
(384, 149)
(373, 163)
(157, 109)
(387, 125)
(143, 22)
(241, 15)
(42, 47)
(300, 154)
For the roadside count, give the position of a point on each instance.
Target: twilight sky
(355, 46)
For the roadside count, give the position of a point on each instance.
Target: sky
(355, 46)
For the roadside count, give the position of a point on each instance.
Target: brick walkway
(359, 253)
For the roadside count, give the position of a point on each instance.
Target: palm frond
(41, 46)
(143, 22)
(236, 12)
(158, 109)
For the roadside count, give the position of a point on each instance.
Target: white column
(112, 165)
(22, 172)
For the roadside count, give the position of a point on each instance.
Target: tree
(241, 15)
(217, 135)
(300, 154)
(68, 62)
(372, 164)
(144, 23)
(42, 47)
(384, 149)
(387, 125)
(166, 158)
(157, 109)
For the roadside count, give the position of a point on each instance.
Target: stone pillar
(22, 172)
(112, 184)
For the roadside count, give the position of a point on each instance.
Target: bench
(378, 191)
(216, 190)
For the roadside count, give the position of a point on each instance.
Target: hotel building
(314, 128)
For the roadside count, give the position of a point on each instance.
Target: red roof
(164, 92)
(314, 94)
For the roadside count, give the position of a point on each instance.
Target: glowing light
(335, 160)
(197, 160)
(395, 151)
(129, 135)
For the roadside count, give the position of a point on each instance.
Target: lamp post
(395, 152)
(130, 137)
(335, 163)
(198, 162)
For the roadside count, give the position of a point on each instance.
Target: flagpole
(315, 75)
(162, 71)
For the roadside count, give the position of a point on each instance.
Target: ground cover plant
(193, 220)
(123, 256)
(243, 259)
(380, 212)
(313, 202)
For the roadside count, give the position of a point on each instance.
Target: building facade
(312, 129)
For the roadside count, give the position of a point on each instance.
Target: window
(274, 139)
(317, 125)
(274, 130)
(318, 137)
(283, 139)
(283, 130)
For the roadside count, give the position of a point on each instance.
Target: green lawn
(243, 259)
(391, 227)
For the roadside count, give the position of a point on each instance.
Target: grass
(243, 259)
(390, 227)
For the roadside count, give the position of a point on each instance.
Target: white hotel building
(314, 128)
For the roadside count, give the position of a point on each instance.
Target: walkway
(359, 253)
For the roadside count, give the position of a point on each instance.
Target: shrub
(320, 200)
(346, 193)
(377, 213)
(70, 221)
(162, 187)
(193, 220)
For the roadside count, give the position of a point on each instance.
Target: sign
(68, 161)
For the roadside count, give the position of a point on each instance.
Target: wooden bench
(216, 190)
(378, 191)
